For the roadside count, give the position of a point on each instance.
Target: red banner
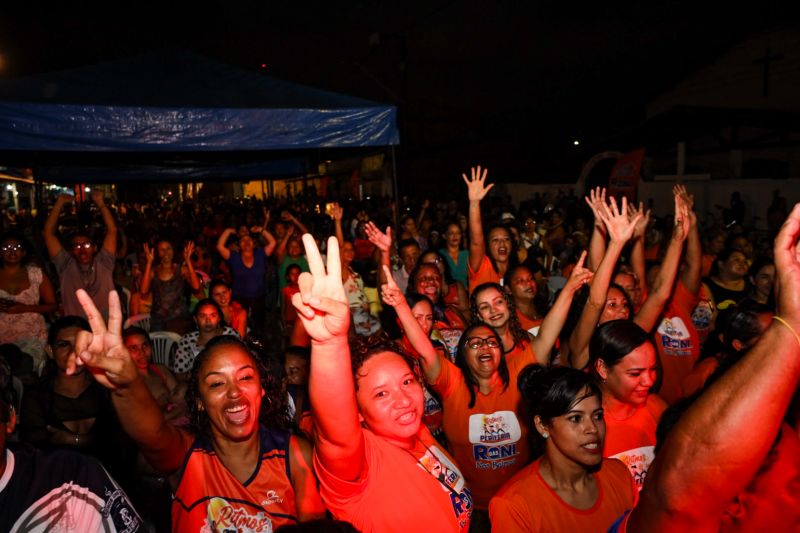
(624, 179)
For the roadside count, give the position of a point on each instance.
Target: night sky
(509, 83)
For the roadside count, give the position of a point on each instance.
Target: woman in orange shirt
(623, 361)
(570, 487)
(520, 283)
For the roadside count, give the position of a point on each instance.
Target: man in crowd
(83, 267)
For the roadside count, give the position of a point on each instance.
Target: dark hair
(513, 259)
(299, 351)
(514, 326)
(291, 266)
(461, 361)
(216, 283)
(26, 245)
(625, 295)
(412, 279)
(208, 301)
(407, 242)
(364, 348)
(136, 330)
(274, 411)
(723, 256)
(550, 392)
(612, 341)
(69, 321)
(447, 274)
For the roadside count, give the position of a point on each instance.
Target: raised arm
(322, 309)
(189, 274)
(620, 229)
(719, 443)
(110, 240)
(288, 217)
(476, 191)
(597, 243)
(147, 277)
(51, 224)
(648, 315)
(383, 242)
(637, 251)
(338, 215)
(103, 351)
(693, 258)
(281, 250)
(223, 250)
(430, 358)
(551, 326)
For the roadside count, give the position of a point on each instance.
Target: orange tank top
(210, 498)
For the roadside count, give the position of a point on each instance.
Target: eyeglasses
(478, 342)
(11, 248)
(82, 246)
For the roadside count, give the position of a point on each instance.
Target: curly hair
(274, 412)
(363, 348)
(461, 361)
(517, 333)
(439, 305)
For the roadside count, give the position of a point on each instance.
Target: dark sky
(471, 78)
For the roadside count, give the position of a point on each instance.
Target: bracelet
(785, 323)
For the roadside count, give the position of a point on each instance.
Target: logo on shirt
(675, 337)
(494, 439)
(638, 462)
(447, 474)
(224, 517)
(272, 497)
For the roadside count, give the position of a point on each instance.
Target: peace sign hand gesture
(102, 350)
(390, 292)
(321, 303)
(476, 190)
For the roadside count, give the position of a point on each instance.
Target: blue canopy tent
(175, 116)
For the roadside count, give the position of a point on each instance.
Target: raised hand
(188, 249)
(595, 200)
(476, 190)
(580, 275)
(148, 253)
(382, 240)
(680, 190)
(265, 213)
(390, 292)
(426, 204)
(257, 229)
(321, 302)
(338, 212)
(620, 227)
(102, 349)
(98, 198)
(787, 267)
(682, 219)
(644, 221)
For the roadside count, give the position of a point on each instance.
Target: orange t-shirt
(490, 440)
(397, 491)
(697, 378)
(485, 274)
(677, 342)
(529, 325)
(633, 441)
(527, 503)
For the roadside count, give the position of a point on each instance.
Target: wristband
(785, 323)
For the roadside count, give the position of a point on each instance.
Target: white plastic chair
(142, 321)
(164, 344)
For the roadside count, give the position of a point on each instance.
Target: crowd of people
(566, 364)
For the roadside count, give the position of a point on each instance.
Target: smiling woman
(570, 487)
(239, 466)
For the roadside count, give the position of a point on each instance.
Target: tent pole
(395, 193)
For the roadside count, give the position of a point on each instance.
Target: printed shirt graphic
(677, 343)
(61, 491)
(396, 485)
(633, 441)
(489, 441)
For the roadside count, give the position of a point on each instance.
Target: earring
(545, 435)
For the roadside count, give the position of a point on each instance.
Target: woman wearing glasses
(26, 294)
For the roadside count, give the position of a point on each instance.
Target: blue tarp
(174, 102)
